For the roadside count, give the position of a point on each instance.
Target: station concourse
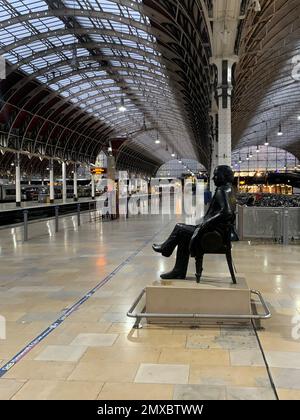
(115, 116)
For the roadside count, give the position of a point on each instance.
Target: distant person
(250, 202)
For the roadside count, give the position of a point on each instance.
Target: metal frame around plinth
(139, 316)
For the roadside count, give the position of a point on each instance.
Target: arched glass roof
(264, 158)
(100, 54)
(267, 82)
(177, 168)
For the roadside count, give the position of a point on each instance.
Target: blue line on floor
(19, 356)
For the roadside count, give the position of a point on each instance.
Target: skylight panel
(11, 57)
(62, 40)
(27, 68)
(86, 22)
(36, 46)
(109, 6)
(46, 24)
(26, 6)
(14, 33)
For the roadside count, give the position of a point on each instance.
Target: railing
(24, 217)
(282, 224)
(97, 209)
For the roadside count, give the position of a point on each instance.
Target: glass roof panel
(113, 59)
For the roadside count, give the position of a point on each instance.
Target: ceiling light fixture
(122, 107)
(280, 133)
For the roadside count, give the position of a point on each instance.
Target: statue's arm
(225, 212)
(224, 215)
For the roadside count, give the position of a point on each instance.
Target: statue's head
(223, 175)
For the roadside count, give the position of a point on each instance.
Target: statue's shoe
(163, 250)
(173, 275)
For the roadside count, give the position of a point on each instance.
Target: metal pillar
(75, 183)
(18, 181)
(25, 236)
(52, 197)
(64, 182)
(93, 187)
(241, 222)
(224, 66)
(285, 226)
(56, 218)
(78, 214)
(214, 156)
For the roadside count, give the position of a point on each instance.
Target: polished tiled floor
(95, 354)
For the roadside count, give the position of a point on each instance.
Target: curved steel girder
(139, 149)
(41, 118)
(94, 105)
(53, 94)
(260, 76)
(30, 166)
(89, 13)
(98, 89)
(15, 88)
(82, 70)
(179, 8)
(283, 26)
(39, 88)
(93, 121)
(66, 100)
(89, 58)
(174, 20)
(66, 75)
(205, 12)
(30, 155)
(85, 45)
(36, 141)
(112, 109)
(126, 152)
(84, 31)
(34, 115)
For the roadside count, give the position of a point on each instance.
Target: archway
(263, 159)
(180, 169)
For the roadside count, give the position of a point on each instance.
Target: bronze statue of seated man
(186, 237)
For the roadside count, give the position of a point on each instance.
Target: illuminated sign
(98, 171)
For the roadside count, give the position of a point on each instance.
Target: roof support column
(214, 152)
(93, 186)
(18, 181)
(224, 90)
(51, 176)
(75, 183)
(64, 182)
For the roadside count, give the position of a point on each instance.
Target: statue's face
(218, 178)
(223, 175)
